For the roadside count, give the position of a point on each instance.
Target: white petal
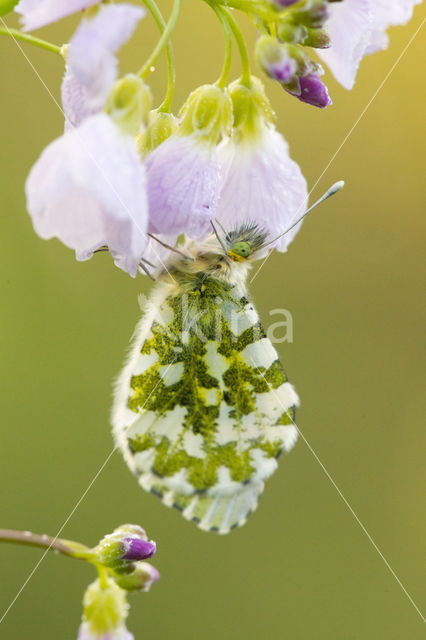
(263, 185)
(388, 13)
(91, 64)
(120, 633)
(350, 28)
(358, 27)
(88, 189)
(183, 186)
(37, 13)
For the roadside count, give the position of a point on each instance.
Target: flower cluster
(120, 560)
(122, 172)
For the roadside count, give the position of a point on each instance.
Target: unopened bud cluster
(284, 56)
(123, 553)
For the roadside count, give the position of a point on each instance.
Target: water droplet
(152, 69)
(28, 533)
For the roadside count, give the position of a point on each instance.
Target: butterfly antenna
(222, 228)
(145, 270)
(225, 251)
(168, 246)
(330, 192)
(149, 263)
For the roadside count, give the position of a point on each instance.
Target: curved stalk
(26, 37)
(245, 61)
(163, 41)
(250, 6)
(66, 547)
(222, 81)
(171, 72)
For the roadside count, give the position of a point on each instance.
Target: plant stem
(222, 81)
(171, 72)
(26, 37)
(163, 41)
(75, 550)
(250, 6)
(245, 61)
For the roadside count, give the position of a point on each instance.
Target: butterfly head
(243, 242)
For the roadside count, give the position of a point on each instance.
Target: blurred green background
(302, 568)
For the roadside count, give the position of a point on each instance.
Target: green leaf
(6, 6)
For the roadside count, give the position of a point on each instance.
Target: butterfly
(203, 408)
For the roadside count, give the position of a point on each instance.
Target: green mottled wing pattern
(203, 407)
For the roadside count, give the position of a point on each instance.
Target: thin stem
(146, 69)
(239, 38)
(224, 75)
(249, 6)
(75, 550)
(171, 72)
(26, 37)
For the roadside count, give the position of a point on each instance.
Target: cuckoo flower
(91, 64)
(261, 184)
(183, 171)
(357, 28)
(88, 189)
(37, 13)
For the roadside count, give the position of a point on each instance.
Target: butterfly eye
(242, 249)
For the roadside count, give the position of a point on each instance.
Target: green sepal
(129, 102)
(251, 108)
(161, 126)
(207, 113)
(288, 31)
(104, 606)
(139, 580)
(317, 38)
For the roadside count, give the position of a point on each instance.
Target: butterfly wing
(203, 407)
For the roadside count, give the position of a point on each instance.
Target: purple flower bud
(276, 59)
(313, 91)
(284, 3)
(137, 549)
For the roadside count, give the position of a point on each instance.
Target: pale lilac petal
(349, 28)
(121, 633)
(183, 186)
(91, 63)
(75, 101)
(157, 254)
(388, 13)
(88, 189)
(37, 13)
(263, 185)
(356, 28)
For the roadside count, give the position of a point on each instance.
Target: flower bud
(317, 38)
(137, 549)
(160, 127)
(142, 578)
(283, 4)
(312, 13)
(288, 31)
(121, 548)
(312, 91)
(275, 59)
(129, 102)
(207, 113)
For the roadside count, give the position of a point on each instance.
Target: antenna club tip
(337, 186)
